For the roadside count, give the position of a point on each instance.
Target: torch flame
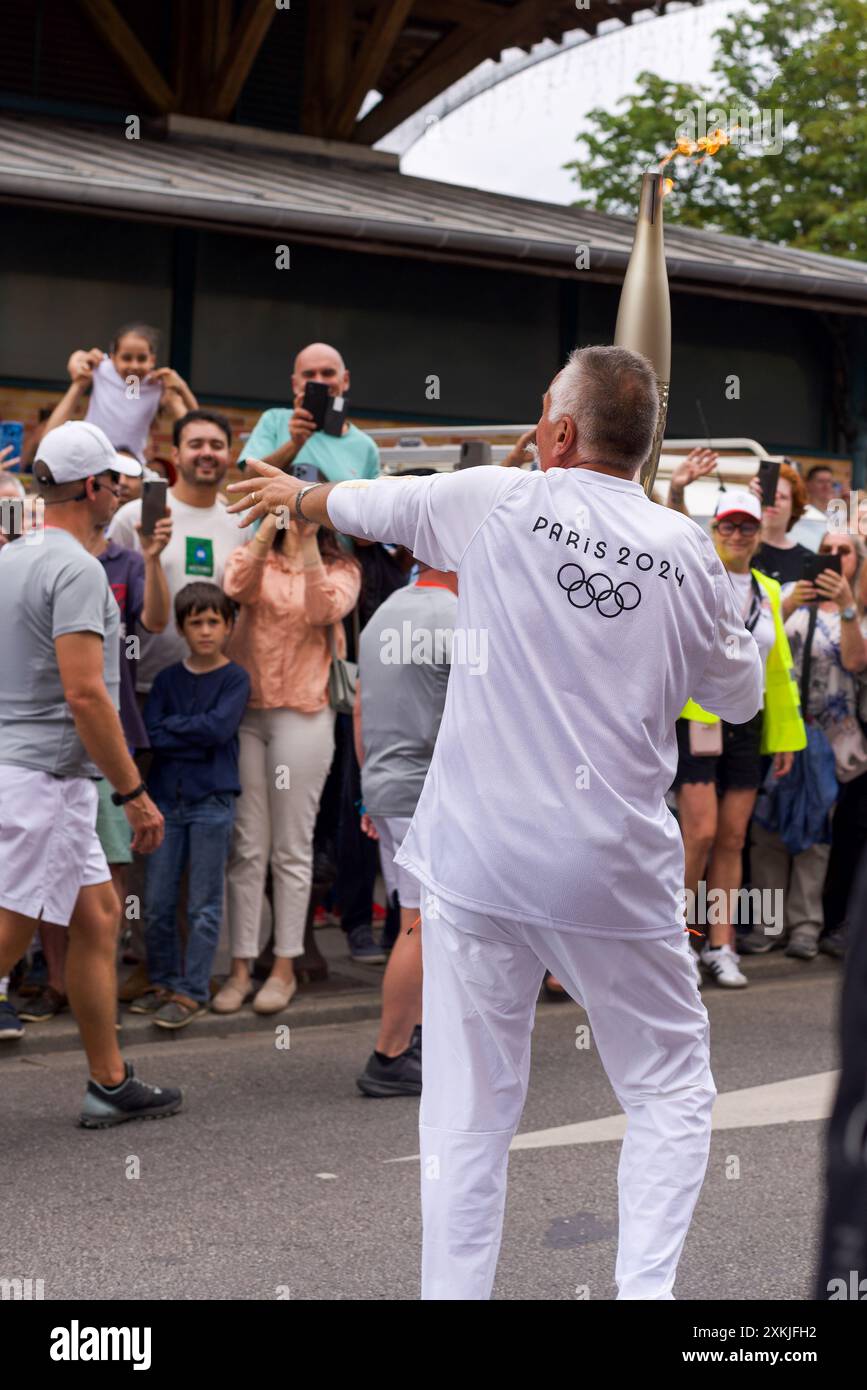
(705, 145)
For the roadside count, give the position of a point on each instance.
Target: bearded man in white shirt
(542, 836)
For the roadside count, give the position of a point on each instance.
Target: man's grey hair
(611, 394)
(12, 486)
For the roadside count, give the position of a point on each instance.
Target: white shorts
(391, 831)
(49, 848)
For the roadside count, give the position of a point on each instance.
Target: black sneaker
(132, 1100)
(415, 1041)
(399, 1077)
(834, 943)
(48, 1003)
(153, 998)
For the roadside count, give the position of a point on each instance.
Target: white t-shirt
(763, 631)
(202, 540)
(589, 616)
(125, 418)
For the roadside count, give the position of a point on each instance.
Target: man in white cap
(542, 835)
(59, 733)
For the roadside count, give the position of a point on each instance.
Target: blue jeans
(197, 838)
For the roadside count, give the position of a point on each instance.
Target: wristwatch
(299, 515)
(849, 613)
(119, 799)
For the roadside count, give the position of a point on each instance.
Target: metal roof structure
(199, 173)
(307, 66)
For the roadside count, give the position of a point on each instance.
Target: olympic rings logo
(599, 589)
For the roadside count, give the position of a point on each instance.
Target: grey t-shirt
(46, 591)
(404, 662)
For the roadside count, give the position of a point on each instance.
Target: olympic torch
(644, 315)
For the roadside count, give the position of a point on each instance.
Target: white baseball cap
(738, 502)
(78, 450)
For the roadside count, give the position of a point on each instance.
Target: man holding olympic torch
(542, 835)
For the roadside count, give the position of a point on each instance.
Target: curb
(337, 1006)
(39, 1038)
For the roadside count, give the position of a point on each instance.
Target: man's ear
(567, 434)
(345, 387)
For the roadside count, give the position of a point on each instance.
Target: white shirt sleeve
(435, 517)
(732, 683)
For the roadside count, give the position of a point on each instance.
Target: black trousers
(848, 838)
(358, 856)
(844, 1245)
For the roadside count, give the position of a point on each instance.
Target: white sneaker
(722, 963)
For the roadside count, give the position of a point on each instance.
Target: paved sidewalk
(351, 992)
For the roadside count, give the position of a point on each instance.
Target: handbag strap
(807, 659)
(355, 635)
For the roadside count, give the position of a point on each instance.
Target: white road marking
(778, 1103)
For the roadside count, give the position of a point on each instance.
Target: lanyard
(755, 604)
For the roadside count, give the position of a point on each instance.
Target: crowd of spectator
(267, 784)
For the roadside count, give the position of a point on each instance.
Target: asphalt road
(278, 1179)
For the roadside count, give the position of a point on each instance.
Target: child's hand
(155, 544)
(5, 460)
(81, 364)
(176, 398)
(168, 378)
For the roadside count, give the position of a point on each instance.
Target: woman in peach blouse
(292, 585)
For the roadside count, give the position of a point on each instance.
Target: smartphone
(474, 453)
(153, 504)
(769, 476)
(814, 565)
(307, 472)
(335, 416)
(12, 432)
(316, 400)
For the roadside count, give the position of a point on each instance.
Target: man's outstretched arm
(434, 517)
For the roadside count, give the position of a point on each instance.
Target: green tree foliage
(804, 58)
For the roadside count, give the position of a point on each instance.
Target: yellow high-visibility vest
(783, 728)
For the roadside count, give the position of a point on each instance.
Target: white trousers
(481, 979)
(284, 760)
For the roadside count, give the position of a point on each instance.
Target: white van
(438, 447)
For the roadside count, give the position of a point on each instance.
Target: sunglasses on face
(746, 528)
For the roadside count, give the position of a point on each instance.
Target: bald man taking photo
(541, 835)
(283, 437)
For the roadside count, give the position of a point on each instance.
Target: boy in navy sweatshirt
(192, 716)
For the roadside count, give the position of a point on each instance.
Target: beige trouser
(801, 878)
(284, 761)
